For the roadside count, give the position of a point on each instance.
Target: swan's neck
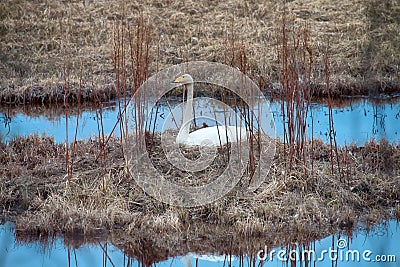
(187, 115)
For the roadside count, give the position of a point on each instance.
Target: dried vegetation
(100, 198)
(71, 52)
(40, 40)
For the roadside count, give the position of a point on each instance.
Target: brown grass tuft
(38, 198)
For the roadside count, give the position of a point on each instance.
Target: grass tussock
(36, 193)
(40, 39)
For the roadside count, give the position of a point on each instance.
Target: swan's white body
(209, 136)
(212, 136)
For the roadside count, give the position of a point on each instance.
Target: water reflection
(379, 246)
(357, 122)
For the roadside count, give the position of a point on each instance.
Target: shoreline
(55, 95)
(47, 45)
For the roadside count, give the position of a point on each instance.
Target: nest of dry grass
(178, 176)
(102, 197)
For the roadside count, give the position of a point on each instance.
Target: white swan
(209, 136)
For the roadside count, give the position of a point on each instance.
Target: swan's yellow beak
(178, 80)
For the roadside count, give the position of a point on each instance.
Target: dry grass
(40, 39)
(34, 192)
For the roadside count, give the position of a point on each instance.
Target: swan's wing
(216, 135)
(208, 136)
(237, 134)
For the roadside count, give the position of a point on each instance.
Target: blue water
(88, 125)
(357, 123)
(380, 243)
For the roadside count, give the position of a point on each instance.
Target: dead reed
(34, 193)
(296, 58)
(66, 95)
(296, 55)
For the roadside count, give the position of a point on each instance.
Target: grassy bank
(101, 197)
(49, 45)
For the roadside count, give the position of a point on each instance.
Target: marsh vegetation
(82, 54)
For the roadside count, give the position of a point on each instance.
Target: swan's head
(184, 79)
